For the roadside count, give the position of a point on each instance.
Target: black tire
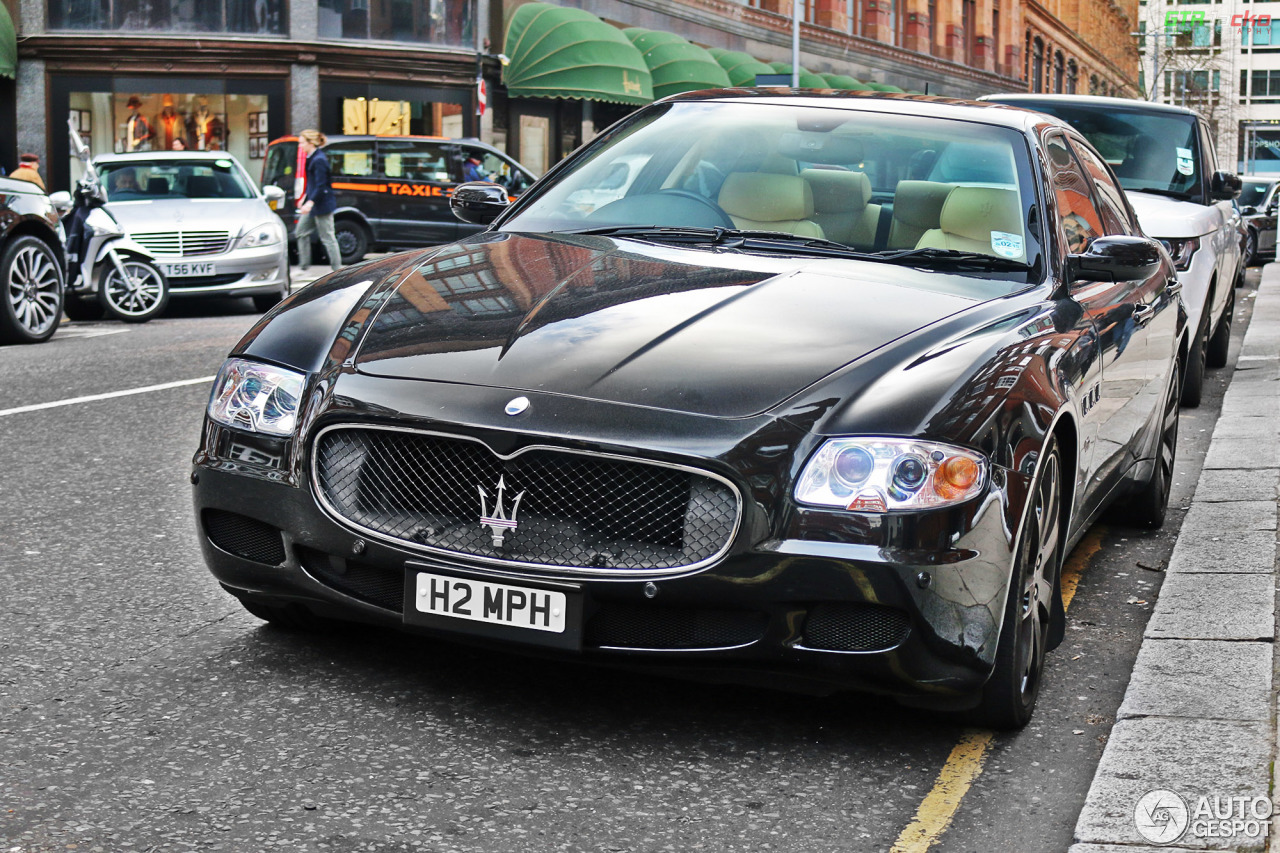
(1193, 381)
(1250, 255)
(353, 240)
(1149, 503)
(139, 300)
(1009, 696)
(291, 617)
(31, 301)
(1216, 354)
(266, 301)
(79, 308)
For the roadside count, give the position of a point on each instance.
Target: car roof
(165, 155)
(347, 137)
(1090, 101)
(935, 106)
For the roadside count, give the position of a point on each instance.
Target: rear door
(353, 174)
(419, 178)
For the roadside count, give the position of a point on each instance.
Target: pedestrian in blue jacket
(315, 213)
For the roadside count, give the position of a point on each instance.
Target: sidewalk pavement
(1198, 718)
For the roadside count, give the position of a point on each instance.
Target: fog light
(263, 276)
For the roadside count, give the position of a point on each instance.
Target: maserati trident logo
(498, 523)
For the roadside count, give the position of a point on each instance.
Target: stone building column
(984, 56)
(877, 20)
(304, 75)
(915, 30)
(832, 14)
(951, 29)
(31, 89)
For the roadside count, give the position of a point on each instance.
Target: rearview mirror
(1224, 186)
(479, 202)
(1118, 258)
(1249, 210)
(273, 194)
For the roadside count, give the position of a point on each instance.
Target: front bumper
(805, 600)
(239, 272)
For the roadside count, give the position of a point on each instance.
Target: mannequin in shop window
(205, 127)
(137, 130)
(170, 125)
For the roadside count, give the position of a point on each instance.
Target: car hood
(1163, 217)
(183, 214)
(713, 333)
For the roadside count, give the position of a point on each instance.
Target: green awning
(883, 87)
(807, 79)
(741, 68)
(562, 52)
(675, 64)
(8, 45)
(844, 81)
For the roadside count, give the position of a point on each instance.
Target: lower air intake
(245, 537)
(645, 627)
(854, 628)
(380, 587)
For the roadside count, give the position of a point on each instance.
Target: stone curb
(1198, 717)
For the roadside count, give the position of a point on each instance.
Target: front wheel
(1193, 383)
(141, 294)
(1250, 254)
(32, 305)
(1216, 354)
(1009, 696)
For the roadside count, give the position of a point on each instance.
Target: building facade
(232, 74)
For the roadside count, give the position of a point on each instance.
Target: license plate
(186, 269)
(545, 614)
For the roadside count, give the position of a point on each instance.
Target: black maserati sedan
(820, 402)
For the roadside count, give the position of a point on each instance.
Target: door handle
(1142, 314)
(1173, 288)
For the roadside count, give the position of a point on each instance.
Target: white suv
(1164, 158)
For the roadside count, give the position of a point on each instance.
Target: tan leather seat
(762, 201)
(841, 205)
(979, 219)
(917, 208)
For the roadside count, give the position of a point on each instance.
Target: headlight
(883, 474)
(1182, 251)
(264, 234)
(256, 397)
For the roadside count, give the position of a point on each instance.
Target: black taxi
(393, 191)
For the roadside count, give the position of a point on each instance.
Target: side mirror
(273, 194)
(1224, 186)
(1119, 258)
(1249, 210)
(61, 201)
(479, 202)
(1273, 208)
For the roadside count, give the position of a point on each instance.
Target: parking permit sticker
(1006, 245)
(1185, 164)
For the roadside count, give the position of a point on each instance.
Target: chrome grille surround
(463, 535)
(184, 244)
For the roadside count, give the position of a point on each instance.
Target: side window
(414, 160)
(501, 170)
(1077, 215)
(1115, 217)
(351, 159)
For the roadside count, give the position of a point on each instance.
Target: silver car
(213, 232)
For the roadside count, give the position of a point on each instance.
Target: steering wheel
(675, 192)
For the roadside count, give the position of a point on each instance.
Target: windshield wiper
(731, 238)
(950, 258)
(1181, 195)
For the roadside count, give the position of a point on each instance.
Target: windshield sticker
(1006, 245)
(1186, 165)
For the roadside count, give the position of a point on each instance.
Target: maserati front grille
(543, 507)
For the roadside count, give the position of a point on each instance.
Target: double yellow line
(964, 764)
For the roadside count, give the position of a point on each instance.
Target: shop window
(119, 122)
(253, 17)
(375, 116)
(417, 21)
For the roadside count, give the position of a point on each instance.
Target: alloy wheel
(1039, 552)
(136, 295)
(34, 290)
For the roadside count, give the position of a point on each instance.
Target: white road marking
(108, 396)
(87, 332)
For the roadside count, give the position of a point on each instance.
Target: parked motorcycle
(107, 271)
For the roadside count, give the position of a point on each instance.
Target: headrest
(975, 212)
(766, 197)
(919, 203)
(836, 191)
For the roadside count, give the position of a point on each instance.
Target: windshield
(137, 180)
(1157, 151)
(873, 182)
(1254, 192)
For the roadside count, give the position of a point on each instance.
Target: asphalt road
(142, 710)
